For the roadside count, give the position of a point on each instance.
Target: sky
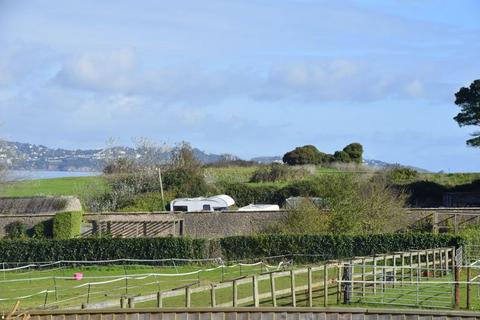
(250, 78)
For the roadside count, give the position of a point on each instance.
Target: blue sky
(245, 77)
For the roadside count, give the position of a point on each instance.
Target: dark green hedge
(67, 225)
(101, 249)
(331, 247)
(232, 248)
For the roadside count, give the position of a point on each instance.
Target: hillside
(26, 156)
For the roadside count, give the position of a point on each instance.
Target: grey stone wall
(198, 225)
(38, 205)
(221, 224)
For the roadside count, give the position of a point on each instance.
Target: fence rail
(254, 314)
(352, 280)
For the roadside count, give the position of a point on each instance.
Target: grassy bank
(69, 186)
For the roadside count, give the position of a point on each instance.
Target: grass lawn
(107, 283)
(69, 186)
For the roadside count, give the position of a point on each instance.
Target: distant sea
(15, 175)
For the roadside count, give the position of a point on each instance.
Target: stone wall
(197, 225)
(228, 223)
(38, 205)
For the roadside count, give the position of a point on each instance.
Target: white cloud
(415, 89)
(312, 80)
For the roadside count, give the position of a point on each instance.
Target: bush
(244, 194)
(16, 230)
(232, 248)
(67, 225)
(402, 175)
(43, 230)
(278, 173)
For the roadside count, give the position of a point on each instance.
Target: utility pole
(159, 170)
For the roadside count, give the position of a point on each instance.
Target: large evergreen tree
(468, 99)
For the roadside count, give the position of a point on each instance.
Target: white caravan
(215, 203)
(260, 207)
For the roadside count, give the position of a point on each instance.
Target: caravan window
(206, 207)
(180, 208)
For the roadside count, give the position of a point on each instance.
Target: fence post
(325, 285)
(427, 262)
(394, 269)
(402, 266)
(411, 267)
(272, 288)
(363, 277)
(292, 288)
(159, 299)
(419, 263)
(440, 258)
(469, 289)
(123, 302)
(374, 274)
(256, 301)
(309, 285)
(187, 297)
(234, 287)
(213, 301)
(339, 283)
(88, 293)
(457, 287)
(131, 303)
(434, 263)
(347, 287)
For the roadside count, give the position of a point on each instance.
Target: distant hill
(26, 156)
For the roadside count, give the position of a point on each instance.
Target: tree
(307, 154)
(354, 151)
(468, 99)
(341, 156)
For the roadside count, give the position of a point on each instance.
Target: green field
(108, 283)
(70, 186)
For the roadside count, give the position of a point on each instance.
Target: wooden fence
(323, 282)
(446, 219)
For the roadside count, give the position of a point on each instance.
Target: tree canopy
(468, 99)
(309, 154)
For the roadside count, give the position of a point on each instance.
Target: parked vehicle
(215, 203)
(260, 207)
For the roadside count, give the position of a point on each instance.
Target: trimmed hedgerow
(331, 246)
(101, 249)
(232, 248)
(67, 225)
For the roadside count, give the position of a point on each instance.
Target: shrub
(244, 194)
(67, 225)
(16, 230)
(400, 174)
(278, 173)
(43, 230)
